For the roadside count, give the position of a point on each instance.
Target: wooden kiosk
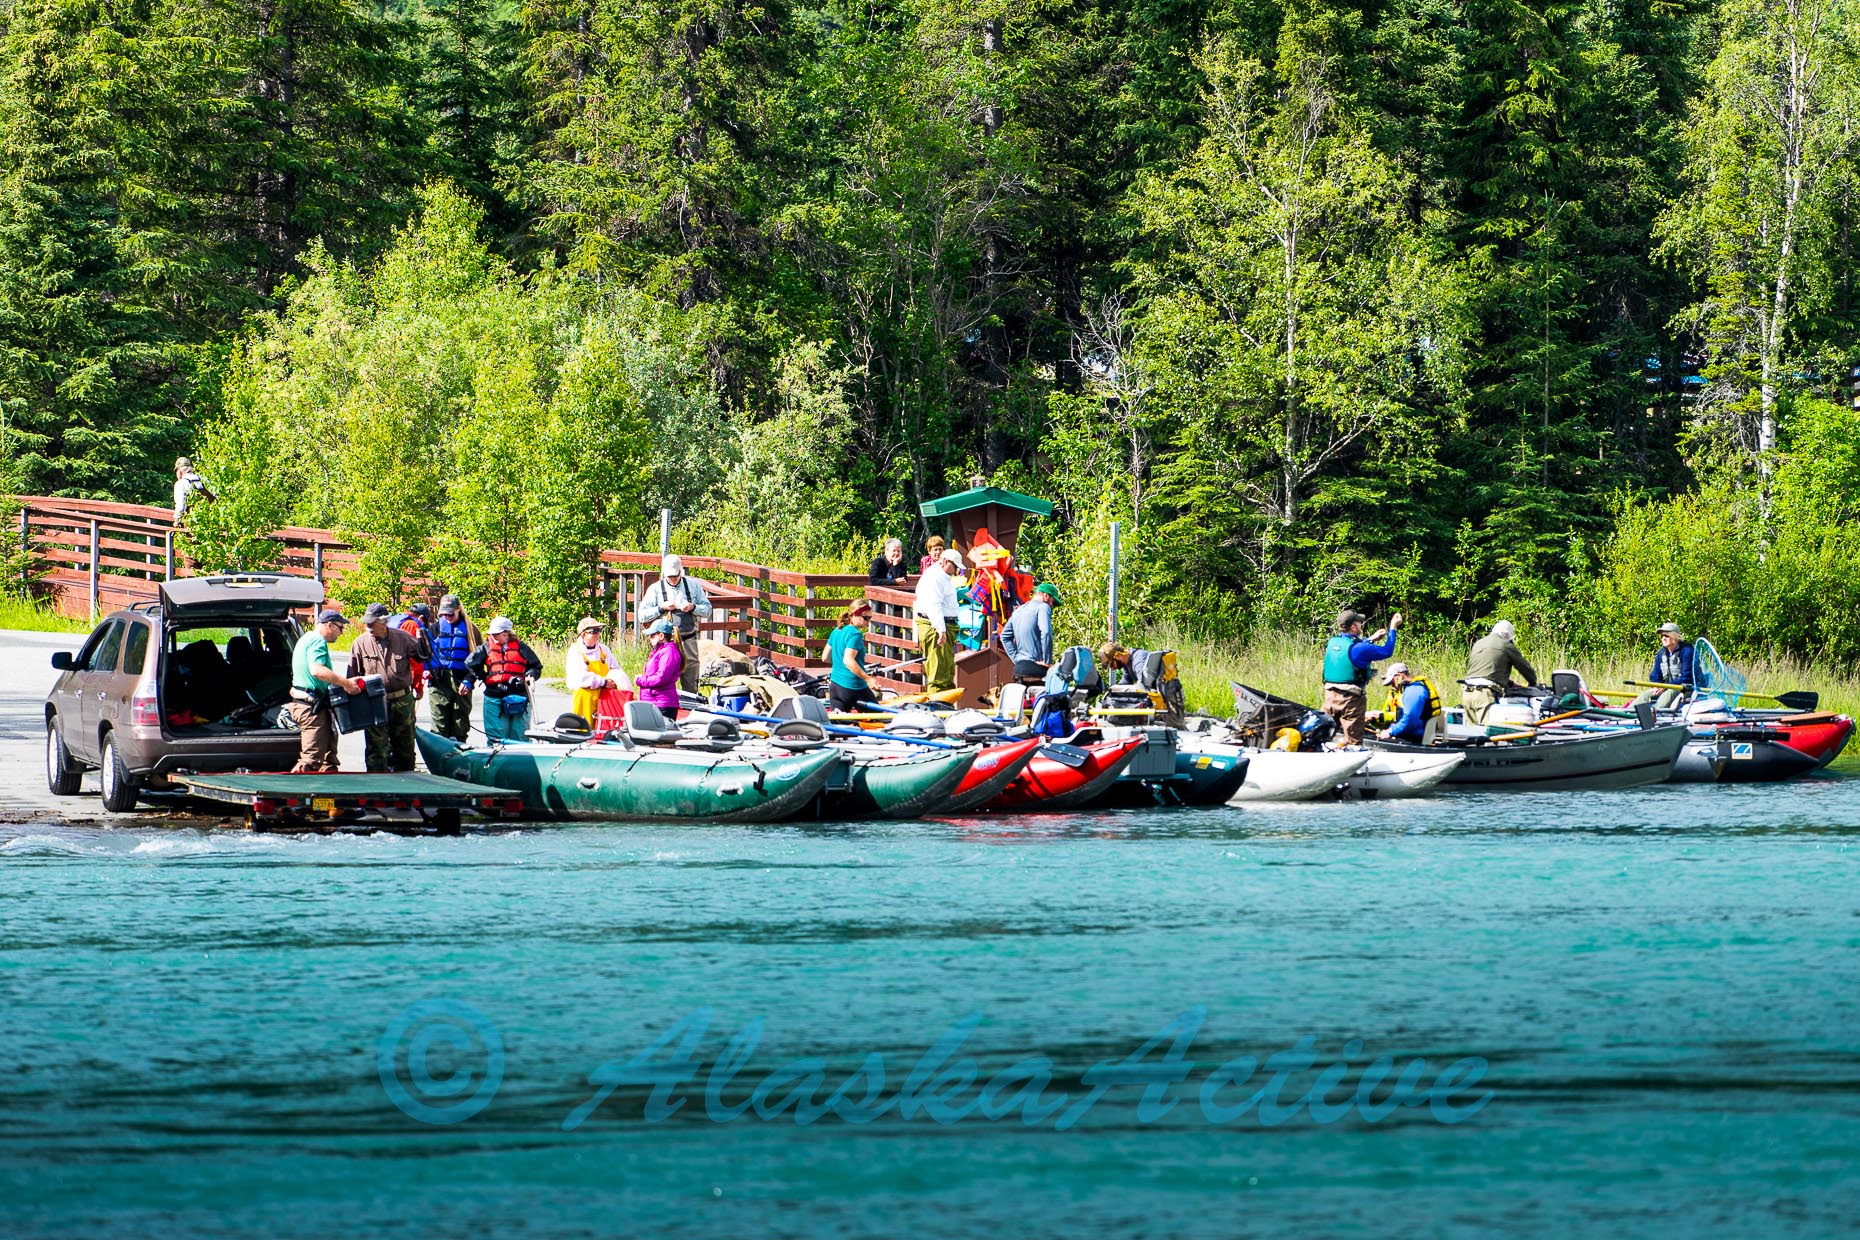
(999, 512)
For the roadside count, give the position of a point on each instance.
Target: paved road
(26, 676)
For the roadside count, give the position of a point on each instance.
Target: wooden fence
(90, 557)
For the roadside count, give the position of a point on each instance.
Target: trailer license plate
(323, 805)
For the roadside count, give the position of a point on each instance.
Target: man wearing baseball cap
(313, 676)
(677, 597)
(934, 612)
(1349, 661)
(1028, 635)
(388, 652)
(1418, 705)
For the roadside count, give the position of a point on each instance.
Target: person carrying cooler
(1488, 671)
(454, 638)
(390, 653)
(1349, 659)
(506, 667)
(1420, 704)
(1028, 635)
(313, 675)
(848, 689)
(657, 682)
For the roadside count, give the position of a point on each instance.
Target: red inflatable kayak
(996, 766)
(1048, 783)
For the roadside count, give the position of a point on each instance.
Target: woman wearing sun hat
(592, 673)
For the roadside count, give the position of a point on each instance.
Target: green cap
(1049, 589)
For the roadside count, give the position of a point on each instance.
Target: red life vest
(504, 664)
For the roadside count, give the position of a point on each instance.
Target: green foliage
(1385, 304)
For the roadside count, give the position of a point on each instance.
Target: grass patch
(36, 617)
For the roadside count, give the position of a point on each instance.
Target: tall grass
(1287, 664)
(34, 616)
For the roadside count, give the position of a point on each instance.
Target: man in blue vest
(449, 684)
(1674, 663)
(1349, 660)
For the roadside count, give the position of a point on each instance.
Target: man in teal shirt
(312, 676)
(847, 687)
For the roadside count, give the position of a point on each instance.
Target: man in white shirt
(935, 615)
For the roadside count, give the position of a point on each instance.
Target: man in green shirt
(312, 677)
(847, 687)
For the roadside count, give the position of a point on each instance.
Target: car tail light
(144, 711)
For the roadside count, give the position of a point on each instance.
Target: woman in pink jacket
(657, 682)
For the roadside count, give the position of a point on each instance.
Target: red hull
(996, 767)
(1822, 741)
(1047, 784)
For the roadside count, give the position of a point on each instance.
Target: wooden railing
(91, 557)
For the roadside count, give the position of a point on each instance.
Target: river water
(1632, 1012)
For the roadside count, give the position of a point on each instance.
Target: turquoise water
(1663, 986)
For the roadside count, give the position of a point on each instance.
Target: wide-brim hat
(586, 623)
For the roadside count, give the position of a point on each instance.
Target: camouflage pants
(451, 708)
(391, 748)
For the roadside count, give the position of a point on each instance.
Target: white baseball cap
(1395, 669)
(672, 566)
(502, 624)
(952, 556)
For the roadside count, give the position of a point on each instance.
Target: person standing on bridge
(934, 613)
(680, 599)
(313, 676)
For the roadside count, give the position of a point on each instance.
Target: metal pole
(316, 560)
(665, 532)
(25, 546)
(168, 553)
(1116, 543)
(93, 571)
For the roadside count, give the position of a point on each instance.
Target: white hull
(1391, 775)
(1276, 775)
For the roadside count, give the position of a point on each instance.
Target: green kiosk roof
(982, 496)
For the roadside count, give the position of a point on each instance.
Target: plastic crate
(367, 709)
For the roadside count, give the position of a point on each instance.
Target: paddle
(1795, 699)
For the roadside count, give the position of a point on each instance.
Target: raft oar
(1797, 699)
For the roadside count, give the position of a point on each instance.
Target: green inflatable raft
(610, 781)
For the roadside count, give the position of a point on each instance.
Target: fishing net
(1718, 677)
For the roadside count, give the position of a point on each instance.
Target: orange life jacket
(504, 664)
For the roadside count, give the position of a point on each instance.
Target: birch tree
(1766, 144)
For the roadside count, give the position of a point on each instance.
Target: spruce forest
(1535, 308)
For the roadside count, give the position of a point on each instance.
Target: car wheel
(120, 790)
(61, 773)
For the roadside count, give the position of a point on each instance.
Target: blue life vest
(1339, 668)
(451, 645)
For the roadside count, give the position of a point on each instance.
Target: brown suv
(194, 682)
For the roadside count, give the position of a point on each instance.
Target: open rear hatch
(241, 596)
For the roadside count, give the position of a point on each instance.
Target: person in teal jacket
(1349, 661)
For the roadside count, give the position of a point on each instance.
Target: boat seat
(711, 733)
(798, 735)
(800, 706)
(568, 729)
(645, 724)
(916, 723)
(1013, 703)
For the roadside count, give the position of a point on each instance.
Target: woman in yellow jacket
(591, 669)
